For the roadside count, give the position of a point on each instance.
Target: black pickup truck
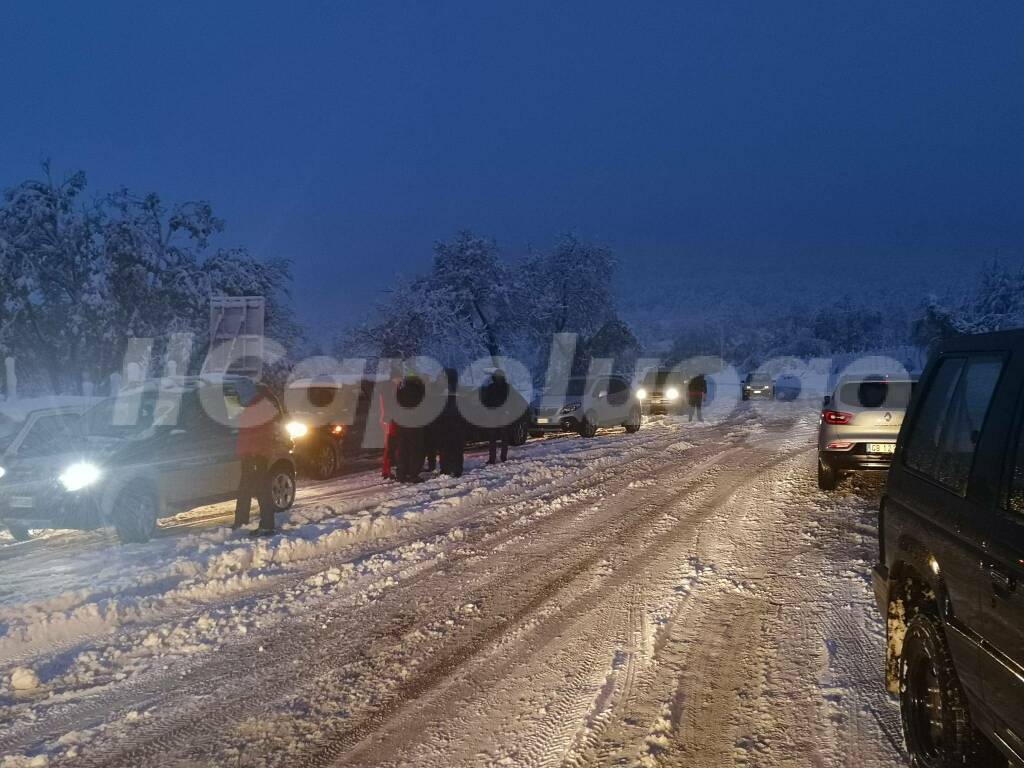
(950, 581)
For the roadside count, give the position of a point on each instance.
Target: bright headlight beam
(672, 393)
(79, 475)
(641, 393)
(296, 429)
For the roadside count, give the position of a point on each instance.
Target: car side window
(1014, 499)
(944, 439)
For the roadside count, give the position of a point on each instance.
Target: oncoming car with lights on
(587, 405)
(662, 392)
(155, 449)
(328, 419)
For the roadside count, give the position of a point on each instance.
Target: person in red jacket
(390, 428)
(255, 447)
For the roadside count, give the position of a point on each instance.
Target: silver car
(586, 405)
(859, 424)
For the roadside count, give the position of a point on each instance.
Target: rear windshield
(877, 394)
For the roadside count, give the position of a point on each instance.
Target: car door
(1003, 602)
(947, 496)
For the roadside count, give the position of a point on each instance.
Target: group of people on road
(411, 448)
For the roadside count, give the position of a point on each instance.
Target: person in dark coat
(389, 461)
(255, 447)
(432, 433)
(495, 396)
(411, 393)
(696, 392)
(451, 429)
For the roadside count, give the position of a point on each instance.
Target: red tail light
(836, 417)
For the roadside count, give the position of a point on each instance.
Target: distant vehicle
(587, 405)
(329, 426)
(788, 388)
(662, 391)
(758, 385)
(950, 578)
(152, 450)
(858, 427)
(33, 428)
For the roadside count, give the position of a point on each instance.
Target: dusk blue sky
(690, 137)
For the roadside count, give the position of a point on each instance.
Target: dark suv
(951, 578)
(152, 450)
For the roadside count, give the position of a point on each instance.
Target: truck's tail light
(836, 417)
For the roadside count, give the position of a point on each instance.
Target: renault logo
(888, 416)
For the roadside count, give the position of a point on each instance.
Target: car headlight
(641, 394)
(296, 429)
(570, 407)
(79, 475)
(672, 393)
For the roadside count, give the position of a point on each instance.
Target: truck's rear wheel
(936, 722)
(134, 514)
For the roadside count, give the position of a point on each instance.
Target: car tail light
(836, 417)
(840, 445)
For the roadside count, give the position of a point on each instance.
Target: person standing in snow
(411, 393)
(451, 429)
(388, 425)
(506, 405)
(696, 392)
(255, 446)
(437, 391)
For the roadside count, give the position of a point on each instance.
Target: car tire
(519, 432)
(134, 514)
(282, 487)
(937, 726)
(325, 461)
(19, 532)
(828, 477)
(588, 427)
(635, 419)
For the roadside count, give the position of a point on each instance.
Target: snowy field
(684, 596)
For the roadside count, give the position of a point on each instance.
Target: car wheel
(828, 477)
(936, 723)
(282, 487)
(19, 532)
(634, 421)
(588, 427)
(325, 461)
(134, 514)
(519, 432)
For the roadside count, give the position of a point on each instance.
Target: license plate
(542, 421)
(881, 447)
(21, 502)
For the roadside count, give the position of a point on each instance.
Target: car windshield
(759, 380)
(660, 380)
(129, 415)
(9, 429)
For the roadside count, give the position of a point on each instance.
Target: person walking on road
(255, 446)
(451, 429)
(696, 392)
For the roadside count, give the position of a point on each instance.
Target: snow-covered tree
(79, 278)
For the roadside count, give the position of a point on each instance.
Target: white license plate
(881, 447)
(22, 502)
(542, 421)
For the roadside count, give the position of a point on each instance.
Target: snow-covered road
(682, 596)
